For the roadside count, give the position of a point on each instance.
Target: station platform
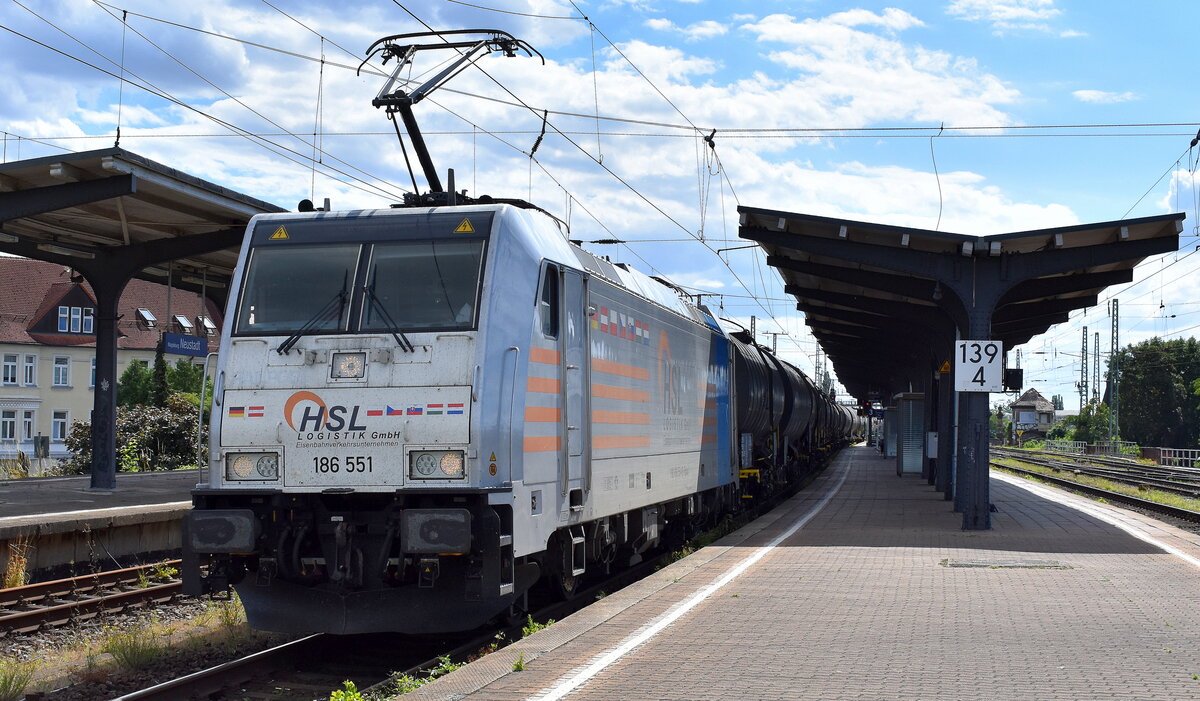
(863, 586)
(60, 520)
(42, 496)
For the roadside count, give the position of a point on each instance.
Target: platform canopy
(878, 297)
(67, 207)
(113, 215)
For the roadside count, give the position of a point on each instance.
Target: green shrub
(148, 438)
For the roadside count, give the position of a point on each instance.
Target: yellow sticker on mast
(465, 227)
(280, 234)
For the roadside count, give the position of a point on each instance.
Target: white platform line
(678, 610)
(97, 513)
(1079, 504)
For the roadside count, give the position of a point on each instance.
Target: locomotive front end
(345, 479)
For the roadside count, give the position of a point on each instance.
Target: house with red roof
(48, 345)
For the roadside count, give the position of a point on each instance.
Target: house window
(58, 427)
(8, 425)
(27, 417)
(87, 319)
(64, 318)
(62, 371)
(31, 370)
(92, 382)
(76, 319)
(8, 375)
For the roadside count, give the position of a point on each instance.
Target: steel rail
(1177, 512)
(56, 602)
(228, 680)
(15, 596)
(1133, 476)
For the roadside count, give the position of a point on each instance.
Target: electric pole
(1114, 382)
(1083, 372)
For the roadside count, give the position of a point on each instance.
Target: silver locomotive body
(422, 412)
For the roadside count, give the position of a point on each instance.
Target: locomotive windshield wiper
(392, 327)
(336, 304)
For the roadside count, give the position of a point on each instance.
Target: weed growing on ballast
(532, 626)
(14, 677)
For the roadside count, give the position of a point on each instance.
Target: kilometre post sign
(979, 366)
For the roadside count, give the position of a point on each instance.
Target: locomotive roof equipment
(395, 99)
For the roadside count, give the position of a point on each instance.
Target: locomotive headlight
(436, 464)
(252, 466)
(452, 464)
(348, 366)
(268, 467)
(241, 467)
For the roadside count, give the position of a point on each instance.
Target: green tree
(135, 384)
(1091, 426)
(159, 391)
(999, 427)
(133, 387)
(1156, 378)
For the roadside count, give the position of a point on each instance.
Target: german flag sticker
(280, 234)
(463, 228)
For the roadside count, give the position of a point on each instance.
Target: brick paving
(860, 603)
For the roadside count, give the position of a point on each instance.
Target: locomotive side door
(576, 357)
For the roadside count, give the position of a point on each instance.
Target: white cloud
(892, 18)
(1101, 97)
(1009, 15)
(693, 32)
(844, 77)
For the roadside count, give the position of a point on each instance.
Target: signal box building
(1033, 415)
(48, 345)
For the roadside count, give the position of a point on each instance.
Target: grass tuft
(531, 626)
(14, 677)
(405, 683)
(16, 574)
(133, 647)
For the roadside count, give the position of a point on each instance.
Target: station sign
(979, 366)
(179, 344)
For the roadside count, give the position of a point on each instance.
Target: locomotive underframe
(345, 560)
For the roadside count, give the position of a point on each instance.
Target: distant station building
(1033, 416)
(48, 345)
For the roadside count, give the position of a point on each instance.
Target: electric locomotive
(421, 412)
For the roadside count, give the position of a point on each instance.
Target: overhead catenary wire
(143, 84)
(597, 117)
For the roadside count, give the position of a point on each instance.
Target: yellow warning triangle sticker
(280, 233)
(493, 458)
(465, 227)
(945, 367)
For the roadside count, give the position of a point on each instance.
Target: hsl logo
(315, 415)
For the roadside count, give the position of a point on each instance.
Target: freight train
(420, 413)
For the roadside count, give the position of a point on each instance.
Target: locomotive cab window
(423, 285)
(290, 288)
(548, 302)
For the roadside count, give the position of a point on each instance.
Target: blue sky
(857, 70)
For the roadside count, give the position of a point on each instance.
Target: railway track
(1135, 475)
(312, 667)
(28, 608)
(1109, 495)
